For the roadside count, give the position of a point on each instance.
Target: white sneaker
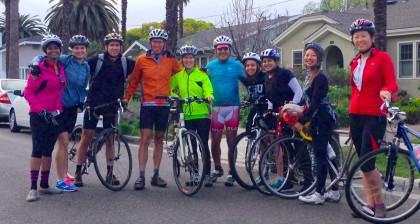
(32, 196)
(332, 196)
(314, 198)
(49, 190)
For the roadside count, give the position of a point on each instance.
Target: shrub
(342, 111)
(135, 132)
(125, 129)
(338, 76)
(411, 107)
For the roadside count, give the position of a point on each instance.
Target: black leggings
(367, 132)
(44, 135)
(202, 127)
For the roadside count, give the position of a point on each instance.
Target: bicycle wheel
(399, 203)
(113, 163)
(189, 170)
(257, 150)
(288, 157)
(237, 159)
(74, 141)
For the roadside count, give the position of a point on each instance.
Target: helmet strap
(366, 51)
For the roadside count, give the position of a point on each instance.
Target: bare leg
(61, 155)
(216, 138)
(146, 135)
(372, 186)
(157, 154)
(230, 138)
(87, 136)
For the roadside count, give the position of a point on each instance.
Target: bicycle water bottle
(330, 152)
(417, 154)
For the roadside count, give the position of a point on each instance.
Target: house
(332, 31)
(28, 49)
(244, 36)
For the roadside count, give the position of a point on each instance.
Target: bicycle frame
(402, 134)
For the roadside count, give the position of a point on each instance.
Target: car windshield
(10, 85)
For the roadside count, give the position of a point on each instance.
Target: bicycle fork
(390, 168)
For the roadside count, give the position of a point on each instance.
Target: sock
(78, 168)
(371, 207)
(155, 172)
(108, 170)
(34, 179)
(44, 178)
(142, 173)
(380, 204)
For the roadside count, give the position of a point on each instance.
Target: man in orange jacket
(153, 70)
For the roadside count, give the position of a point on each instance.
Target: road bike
(109, 151)
(395, 165)
(190, 158)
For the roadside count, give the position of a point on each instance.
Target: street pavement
(96, 204)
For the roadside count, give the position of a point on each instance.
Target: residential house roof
(29, 40)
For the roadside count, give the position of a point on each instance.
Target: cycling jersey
(154, 76)
(224, 78)
(378, 74)
(278, 88)
(255, 87)
(197, 83)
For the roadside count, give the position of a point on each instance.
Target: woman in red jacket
(372, 79)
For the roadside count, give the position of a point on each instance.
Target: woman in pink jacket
(44, 96)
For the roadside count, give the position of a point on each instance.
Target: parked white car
(19, 113)
(6, 95)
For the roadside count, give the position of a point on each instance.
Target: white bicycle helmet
(270, 53)
(158, 33)
(188, 49)
(252, 56)
(113, 37)
(222, 40)
(78, 40)
(51, 38)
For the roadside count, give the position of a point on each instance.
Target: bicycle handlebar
(172, 99)
(395, 113)
(115, 103)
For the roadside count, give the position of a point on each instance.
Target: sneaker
(139, 184)
(258, 180)
(229, 180)
(64, 186)
(32, 196)
(158, 181)
(68, 176)
(380, 211)
(195, 180)
(277, 184)
(314, 198)
(288, 187)
(69, 181)
(216, 174)
(365, 210)
(49, 190)
(78, 180)
(112, 179)
(208, 181)
(332, 196)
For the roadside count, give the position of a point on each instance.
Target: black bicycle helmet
(318, 48)
(78, 40)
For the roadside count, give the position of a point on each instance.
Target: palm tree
(12, 43)
(181, 16)
(28, 26)
(124, 4)
(171, 25)
(379, 9)
(92, 18)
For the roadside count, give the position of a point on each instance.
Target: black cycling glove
(36, 71)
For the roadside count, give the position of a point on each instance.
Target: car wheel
(12, 121)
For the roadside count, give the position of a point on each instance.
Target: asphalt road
(96, 204)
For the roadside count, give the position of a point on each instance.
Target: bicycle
(190, 159)
(395, 167)
(109, 152)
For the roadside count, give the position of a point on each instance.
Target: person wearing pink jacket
(43, 94)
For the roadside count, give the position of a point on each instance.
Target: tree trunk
(13, 48)
(181, 18)
(65, 28)
(124, 4)
(379, 9)
(7, 9)
(172, 23)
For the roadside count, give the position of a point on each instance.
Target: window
(203, 62)
(418, 61)
(297, 59)
(406, 60)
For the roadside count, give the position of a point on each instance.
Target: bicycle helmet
(158, 33)
(113, 37)
(362, 24)
(318, 49)
(51, 38)
(270, 53)
(222, 40)
(291, 113)
(188, 49)
(251, 56)
(78, 40)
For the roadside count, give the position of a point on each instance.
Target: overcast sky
(143, 11)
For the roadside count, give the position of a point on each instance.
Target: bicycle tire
(238, 159)
(396, 203)
(300, 177)
(121, 160)
(74, 142)
(259, 146)
(189, 173)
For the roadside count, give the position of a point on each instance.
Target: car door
(21, 108)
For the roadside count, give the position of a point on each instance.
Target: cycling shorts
(154, 116)
(70, 116)
(108, 118)
(222, 116)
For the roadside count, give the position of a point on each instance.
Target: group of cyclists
(56, 92)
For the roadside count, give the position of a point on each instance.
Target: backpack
(101, 61)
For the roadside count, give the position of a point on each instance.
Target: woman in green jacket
(191, 82)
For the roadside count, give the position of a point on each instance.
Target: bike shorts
(70, 116)
(108, 118)
(222, 116)
(44, 135)
(367, 132)
(154, 117)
